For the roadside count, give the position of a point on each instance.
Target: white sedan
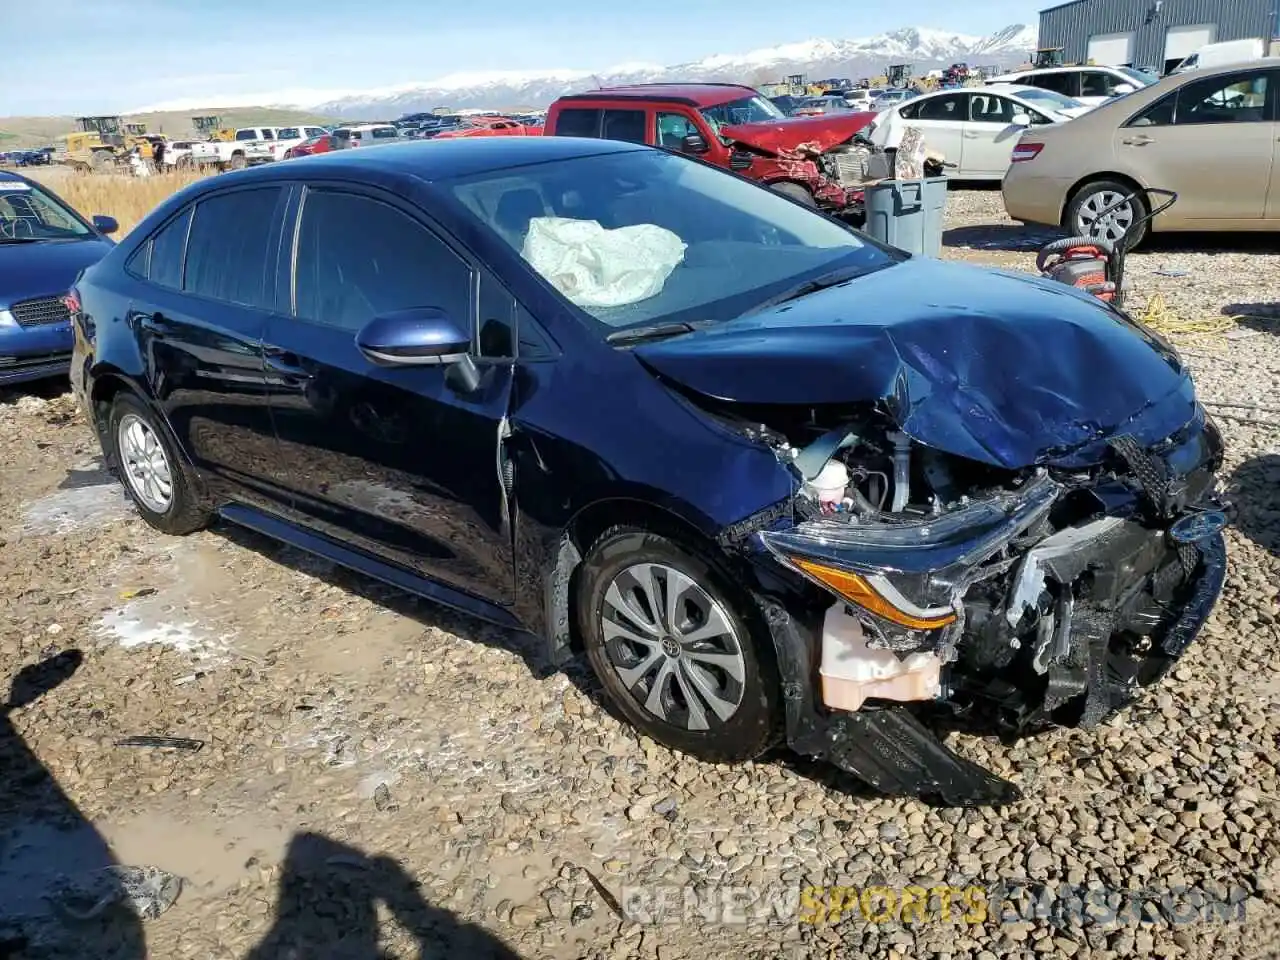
(975, 128)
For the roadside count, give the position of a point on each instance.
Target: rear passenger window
(163, 265)
(577, 122)
(624, 125)
(359, 258)
(228, 251)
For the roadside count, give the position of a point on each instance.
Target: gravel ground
(382, 778)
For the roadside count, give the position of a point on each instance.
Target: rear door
(210, 275)
(394, 461)
(1213, 141)
(941, 118)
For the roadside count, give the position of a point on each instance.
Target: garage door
(1182, 42)
(1111, 49)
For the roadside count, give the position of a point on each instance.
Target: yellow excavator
(102, 143)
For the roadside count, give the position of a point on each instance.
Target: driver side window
(673, 128)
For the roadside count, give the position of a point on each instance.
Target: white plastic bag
(596, 267)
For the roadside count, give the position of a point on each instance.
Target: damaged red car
(810, 159)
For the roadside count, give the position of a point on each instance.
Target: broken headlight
(911, 573)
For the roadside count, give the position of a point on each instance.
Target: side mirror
(1022, 119)
(105, 224)
(693, 143)
(422, 336)
(1120, 89)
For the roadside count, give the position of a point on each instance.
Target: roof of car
(433, 159)
(693, 94)
(10, 176)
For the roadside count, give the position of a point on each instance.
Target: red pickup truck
(807, 158)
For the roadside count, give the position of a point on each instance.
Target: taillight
(1026, 151)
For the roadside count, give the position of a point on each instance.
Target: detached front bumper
(890, 748)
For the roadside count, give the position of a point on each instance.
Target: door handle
(1138, 141)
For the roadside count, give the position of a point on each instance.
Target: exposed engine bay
(1034, 597)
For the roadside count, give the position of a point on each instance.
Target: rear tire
(155, 476)
(238, 162)
(1081, 215)
(694, 669)
(795, 192)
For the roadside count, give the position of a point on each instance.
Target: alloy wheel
(1111, 226)
(144, 463)
(673, 646)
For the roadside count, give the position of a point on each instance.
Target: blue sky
(111, 55)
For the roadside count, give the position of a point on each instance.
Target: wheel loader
(103, 143)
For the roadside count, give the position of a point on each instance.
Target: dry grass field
(126, 198)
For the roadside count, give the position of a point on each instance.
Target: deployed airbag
(597, 267)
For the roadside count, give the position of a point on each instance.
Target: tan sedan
(1210, 135)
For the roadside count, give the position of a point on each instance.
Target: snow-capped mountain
(923, 47)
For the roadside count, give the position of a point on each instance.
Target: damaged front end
(1012, 599)
(825, 155)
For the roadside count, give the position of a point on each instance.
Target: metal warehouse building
(1151, 34)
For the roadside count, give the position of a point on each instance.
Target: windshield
(28, 213)
(1146, 79)
(747, 110)
(1050, 98)
(637, 237)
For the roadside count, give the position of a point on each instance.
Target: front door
(1213, 142)
(211, 282)
(941, 120)
(990, 136)
(395, 461)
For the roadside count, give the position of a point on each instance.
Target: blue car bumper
(34, 353)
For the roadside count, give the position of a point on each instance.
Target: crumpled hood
(1000, 367)
(783, 136)
(47, 268)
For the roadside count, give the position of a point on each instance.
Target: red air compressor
(1095, 264)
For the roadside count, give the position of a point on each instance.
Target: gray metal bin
(908, 214)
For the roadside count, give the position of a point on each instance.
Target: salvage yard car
(44, 245)
(773, 478)
(1208, 135)
(1091, 85)
(730, 126)
(284, 140)
(232, 154)
(975, 129)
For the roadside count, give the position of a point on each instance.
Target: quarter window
(160, 258)
(359, 257)
(229, 247)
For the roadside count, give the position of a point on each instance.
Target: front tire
(678, 649)
(155, 476)
(1082, 213)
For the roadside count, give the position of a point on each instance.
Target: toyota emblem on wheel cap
(1198, 526)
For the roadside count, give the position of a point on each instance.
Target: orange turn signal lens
(859, 592)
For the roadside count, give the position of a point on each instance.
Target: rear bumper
(1033, 199)
(34, 353)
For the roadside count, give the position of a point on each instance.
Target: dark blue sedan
(776, 481)
(44, 245)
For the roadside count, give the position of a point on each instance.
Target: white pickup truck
(267, 150)
(232, 154)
